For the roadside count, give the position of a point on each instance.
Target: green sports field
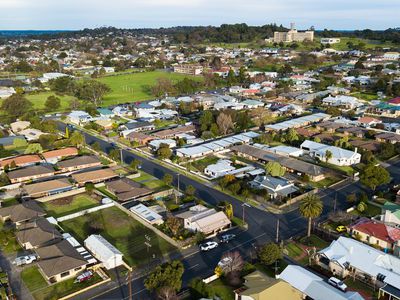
(39, 100)
(135, 87)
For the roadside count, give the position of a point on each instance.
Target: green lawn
(63, 207)
(201, 164)
(134, 87)
(222, 290)
(64, 288)
(33, 279)
(365, 96)
(314, 241)
(8, 241)
(39, 100)
(149, 181)
(121, 230)
(294, 250)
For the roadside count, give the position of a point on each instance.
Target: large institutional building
(293, 35)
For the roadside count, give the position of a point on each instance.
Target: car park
(337, 283)
(208, 246)
(226, 238)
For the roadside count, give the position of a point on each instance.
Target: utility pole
(243, 208)
(277, 231)
(148, 245)
(177, 192)
(121, 156)
(130, 284)
(334, 203)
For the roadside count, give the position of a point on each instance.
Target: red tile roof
(394, 100)
(378, 230)
(21, 160)
(367, 120)
(70, 151)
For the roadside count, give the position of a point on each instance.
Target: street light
(243, 206)
(177, 192)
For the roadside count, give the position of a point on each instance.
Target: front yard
(149, 181)
(122, 231)
(68, 205)
(8, 241)
(40, 289)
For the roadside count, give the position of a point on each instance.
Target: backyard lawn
(65, 206)
(149, 181)
(222, 290)
(121, 230)
(135, 87)
(40, 290)
(201, 164)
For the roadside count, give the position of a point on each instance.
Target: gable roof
(376, 229)
(31, 171)
(47, 186)
(79, 161)
(64, 152)
(103, 248)
(21, 160)
(37, 232)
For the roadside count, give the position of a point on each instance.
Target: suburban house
(19, 125)
(348, 257)
(105, 113)
(147, 214)
(104, 251)
(47, 188)
(258, 286)
(106, 124)
(219, 169)
(125, 189)
(79, 117)
(314, 172)
(20, 161)
(277, 187)
(339, 156)
(388, 137)
(37, 233)
(172, 133)
(78, 163)
(347, 102)
(139, 137)
(95, 176)
(377, 234)
(287, 150)
(122, 111)
(60, 261)
(156, 144)
(312, 286)
(136, 127)
(53, 156)
(205, 220)
(30, 173)
(21, 213)
(31, 134)
(391, 213)
(368, 121)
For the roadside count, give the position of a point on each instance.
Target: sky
(79, 14)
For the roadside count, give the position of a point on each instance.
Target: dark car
(226, 238)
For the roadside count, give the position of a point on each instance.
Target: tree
(206, 119)
(164, 152)
(89, 188)
(93, 91)
(234, 262)
(235, 188)
(168, 179)
(33, 148)
(77, 139)
(16, 105)
(224, 181)
(269, 253)
(52, 103)
(291, 135)
(374, 176)
(190, 190)
(175, 225)
(224, 122)
(47, 140)
(351, 198)
(167, 293)
(135, 163)
(362, 206)
(310, 207)
(114, 154)
(328, 155)
(96, 146)
(199, 289)
(165, 275)
(274, 169)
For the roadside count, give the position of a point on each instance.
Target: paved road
(262, 225)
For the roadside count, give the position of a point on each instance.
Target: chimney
(355, 150)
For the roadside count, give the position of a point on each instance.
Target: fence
(84, 212)
(297, 199)
(149, 226)
(61, 195)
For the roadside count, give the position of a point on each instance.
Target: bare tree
(224, 122)
(166, 293)
(232, 262)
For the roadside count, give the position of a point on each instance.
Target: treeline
(388, 35)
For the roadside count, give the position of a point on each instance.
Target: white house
(206, 220)
(275, 186)
(341, 100)
(101, 249)
(391, 56)
(155, 144)
(147, 214)
(339, 156)
(330, 41)
(49, 76)
(79, 117)
(6, 92)
(221, 168)
(287, 150)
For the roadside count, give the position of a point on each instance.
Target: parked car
(226, 238)
(341, 228)
(84, 277)
(24, 260)
(208, 246)
(337, 283)
(225, 261)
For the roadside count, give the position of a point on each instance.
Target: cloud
(77, 14)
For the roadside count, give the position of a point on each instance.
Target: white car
(337, 283)
(225, 261)
(24, 260)
(208, 246)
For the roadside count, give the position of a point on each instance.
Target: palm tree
(310, 208)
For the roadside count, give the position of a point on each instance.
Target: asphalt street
(262, 225)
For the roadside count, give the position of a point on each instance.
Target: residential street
(262, 225)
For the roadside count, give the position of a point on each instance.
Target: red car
(84, 277)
